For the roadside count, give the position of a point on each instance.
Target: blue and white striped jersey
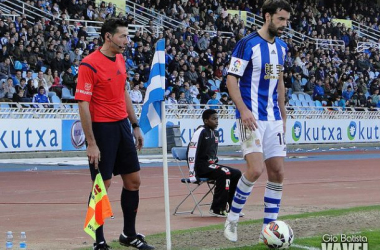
(258, 64)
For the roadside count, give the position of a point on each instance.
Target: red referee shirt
(101, 82)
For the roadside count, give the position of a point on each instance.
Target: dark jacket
(202, 150)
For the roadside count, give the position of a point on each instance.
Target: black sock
(129, 204)
(99, 231)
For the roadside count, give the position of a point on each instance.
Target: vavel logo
(344, 242)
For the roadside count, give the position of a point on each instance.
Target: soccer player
(106, 113)
(255, 83)
(203, 163)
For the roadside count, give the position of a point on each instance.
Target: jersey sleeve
(192, 153)
(86, 82)
(240, 58)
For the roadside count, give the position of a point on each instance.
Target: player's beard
(273, 30)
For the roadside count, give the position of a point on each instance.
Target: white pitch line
(305, 247)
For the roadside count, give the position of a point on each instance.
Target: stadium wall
(23, 135)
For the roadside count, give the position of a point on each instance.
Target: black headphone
(120, 47)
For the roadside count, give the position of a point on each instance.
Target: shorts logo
(351, 131)
(296, 131)
(191, 159)
(257, 143)
(77, 135)
(87, 86)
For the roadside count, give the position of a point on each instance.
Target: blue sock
(243, 190)
(272, 201)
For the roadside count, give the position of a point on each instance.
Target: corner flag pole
(166, 176)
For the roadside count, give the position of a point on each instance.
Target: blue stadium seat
(196, 102)
(307, 97)
(298, 103)
(210, 81)
(303, 81)
(292, 102)
(301, 97)
(66, 94)
(214, 88)
(318, 104)
(217, 83)
(294, 97)
(311, 103)
(290, 92)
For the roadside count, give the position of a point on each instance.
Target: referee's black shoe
(102, 246)
(136, 242)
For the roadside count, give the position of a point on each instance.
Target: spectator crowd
(38, 54)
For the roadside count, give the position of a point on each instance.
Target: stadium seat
(196, 102)
(294, 97)
(56, 101)
(303, 81)
(292, 102)
(66, 95)
(179, 154)
(318, 104)
(311, 103)
(301, 97)
(307, 97)
(298, 103)
(290, 92)
(211, 82)
(217, 83)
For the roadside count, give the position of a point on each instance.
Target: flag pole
(166, 176)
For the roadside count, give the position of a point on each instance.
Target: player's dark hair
(207, 113)
(111, 25)
(272, 6)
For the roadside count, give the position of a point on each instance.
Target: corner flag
(99, 208)
(154, 95)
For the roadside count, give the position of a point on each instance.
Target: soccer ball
(278, 235)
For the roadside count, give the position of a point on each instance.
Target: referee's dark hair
(207, 113)
(111, 25)
(272, 6)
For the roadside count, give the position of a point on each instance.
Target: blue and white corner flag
(154, 95)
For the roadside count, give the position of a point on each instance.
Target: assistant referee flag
(99, 207)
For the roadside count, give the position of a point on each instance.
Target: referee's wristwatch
(135, 125)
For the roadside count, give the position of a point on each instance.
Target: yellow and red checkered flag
(99, 207)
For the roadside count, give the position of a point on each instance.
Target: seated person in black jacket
(202, 161)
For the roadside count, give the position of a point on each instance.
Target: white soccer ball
(278, 235)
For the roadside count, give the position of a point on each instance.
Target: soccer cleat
(261, 238)
(230, 230)
(101, 246)
(221, 214)
(241, 214)
(136, 242)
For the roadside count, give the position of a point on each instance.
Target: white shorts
(268, 139)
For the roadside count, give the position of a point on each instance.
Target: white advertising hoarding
(332, 131)
(18, 135)
(228, 135)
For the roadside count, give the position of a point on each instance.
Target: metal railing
(28, 10)
(367, 45)
(143, 15)
(297, 37)
(12, 110)
(366, 31)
